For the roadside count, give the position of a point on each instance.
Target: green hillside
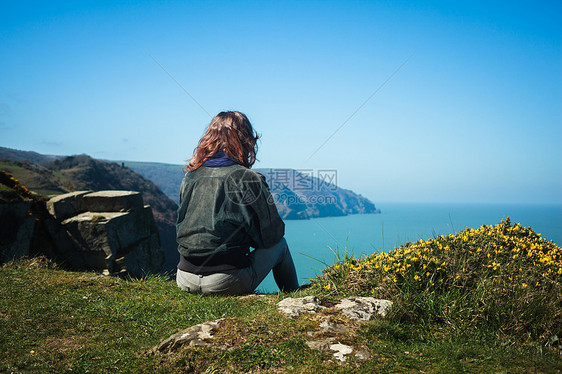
(167, 176)
(42, 180)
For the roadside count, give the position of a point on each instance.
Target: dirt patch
(62, 344)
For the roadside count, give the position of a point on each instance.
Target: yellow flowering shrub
(505, 276)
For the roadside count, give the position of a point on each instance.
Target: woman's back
(224, 210)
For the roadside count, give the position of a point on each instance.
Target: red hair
(230, 132)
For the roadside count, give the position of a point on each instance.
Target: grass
(18, 172)
(477, 320)
(58, 321)
(28, 177)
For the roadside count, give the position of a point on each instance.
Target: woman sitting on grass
(224, 209)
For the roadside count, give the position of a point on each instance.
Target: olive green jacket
(223, 211)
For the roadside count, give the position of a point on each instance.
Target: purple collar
(219, 159)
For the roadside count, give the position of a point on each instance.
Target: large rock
(106, 231)
(110, 231)
(70, 204)
(60, 247)
(16, 230)
(66, 205)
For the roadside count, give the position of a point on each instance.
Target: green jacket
(223, 211)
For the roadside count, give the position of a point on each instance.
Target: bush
(503, 279)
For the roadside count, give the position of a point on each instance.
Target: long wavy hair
(230, 132)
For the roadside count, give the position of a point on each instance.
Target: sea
(319, 242)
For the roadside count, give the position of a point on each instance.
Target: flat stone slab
(89, 231)
(192, 336)
(116, 241)
(66, 205)
(292, 307)
(111, 201)
(329, 328)
(363, 308)
(73, 203)
(98, 217)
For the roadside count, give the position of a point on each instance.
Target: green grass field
(480, 301)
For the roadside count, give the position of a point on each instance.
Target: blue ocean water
(314, 243)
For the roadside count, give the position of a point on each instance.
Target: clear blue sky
(473, 116)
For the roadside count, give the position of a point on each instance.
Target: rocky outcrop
(331, 329)
(111, 232)
(304, 194)
(87, 173)
(354, 308)
(326, 339)
(17, 223)
(106, 231)
(50, 175)
(16, 230)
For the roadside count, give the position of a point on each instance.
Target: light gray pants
(245, 280)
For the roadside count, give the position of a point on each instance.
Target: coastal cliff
(298, 194)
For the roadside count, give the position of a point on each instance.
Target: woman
(224, 209)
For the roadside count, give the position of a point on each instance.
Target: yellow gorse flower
(509, 252)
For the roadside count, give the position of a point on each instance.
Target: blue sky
(474, 115)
